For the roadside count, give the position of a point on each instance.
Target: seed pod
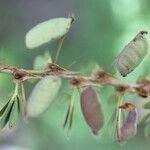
(132, 54)
(47, 31)
(91, 110)
(129, 128)
(43, 95)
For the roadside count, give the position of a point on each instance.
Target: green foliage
(14, 114)
(69, 114)
(6, 114)
(12, 109)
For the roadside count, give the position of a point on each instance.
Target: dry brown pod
(91, 110)
(129, 127)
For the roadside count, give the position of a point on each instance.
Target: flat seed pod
(47, 31)
(91, 110)
(42, 95)
(132, 54)
(129, 128)
(14, 114)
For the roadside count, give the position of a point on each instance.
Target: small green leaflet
(22, 100)
(69, 115)
(10, 113)
(6, 114)
(147, 105)
(14, 114)
(43, 95)
(3, 109)
(11, 110)
(47, 31)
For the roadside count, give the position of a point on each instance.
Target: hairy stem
(76, 80)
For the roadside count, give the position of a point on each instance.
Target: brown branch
(142, 88)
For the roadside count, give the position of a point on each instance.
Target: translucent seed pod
(43, 94)
(129, 128)
(132, 54)
(91, 110)
(47, 31)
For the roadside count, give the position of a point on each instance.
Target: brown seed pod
(129, 127)
(91, 110)
(132, 54)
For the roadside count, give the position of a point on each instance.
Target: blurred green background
(100, 32)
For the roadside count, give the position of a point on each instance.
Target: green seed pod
(91, 110)
(47, 31)
(43, 94)
(132, 54)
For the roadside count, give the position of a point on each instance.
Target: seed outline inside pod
(132, 54)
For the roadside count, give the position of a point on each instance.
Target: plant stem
(59, 48)
(77, 80)
(118, 119)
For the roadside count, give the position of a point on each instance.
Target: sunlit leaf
(133, 54)
(91, 110)
(42, 95)
(14, 114)
(41, 61)
(147, 105)
(47, 31)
